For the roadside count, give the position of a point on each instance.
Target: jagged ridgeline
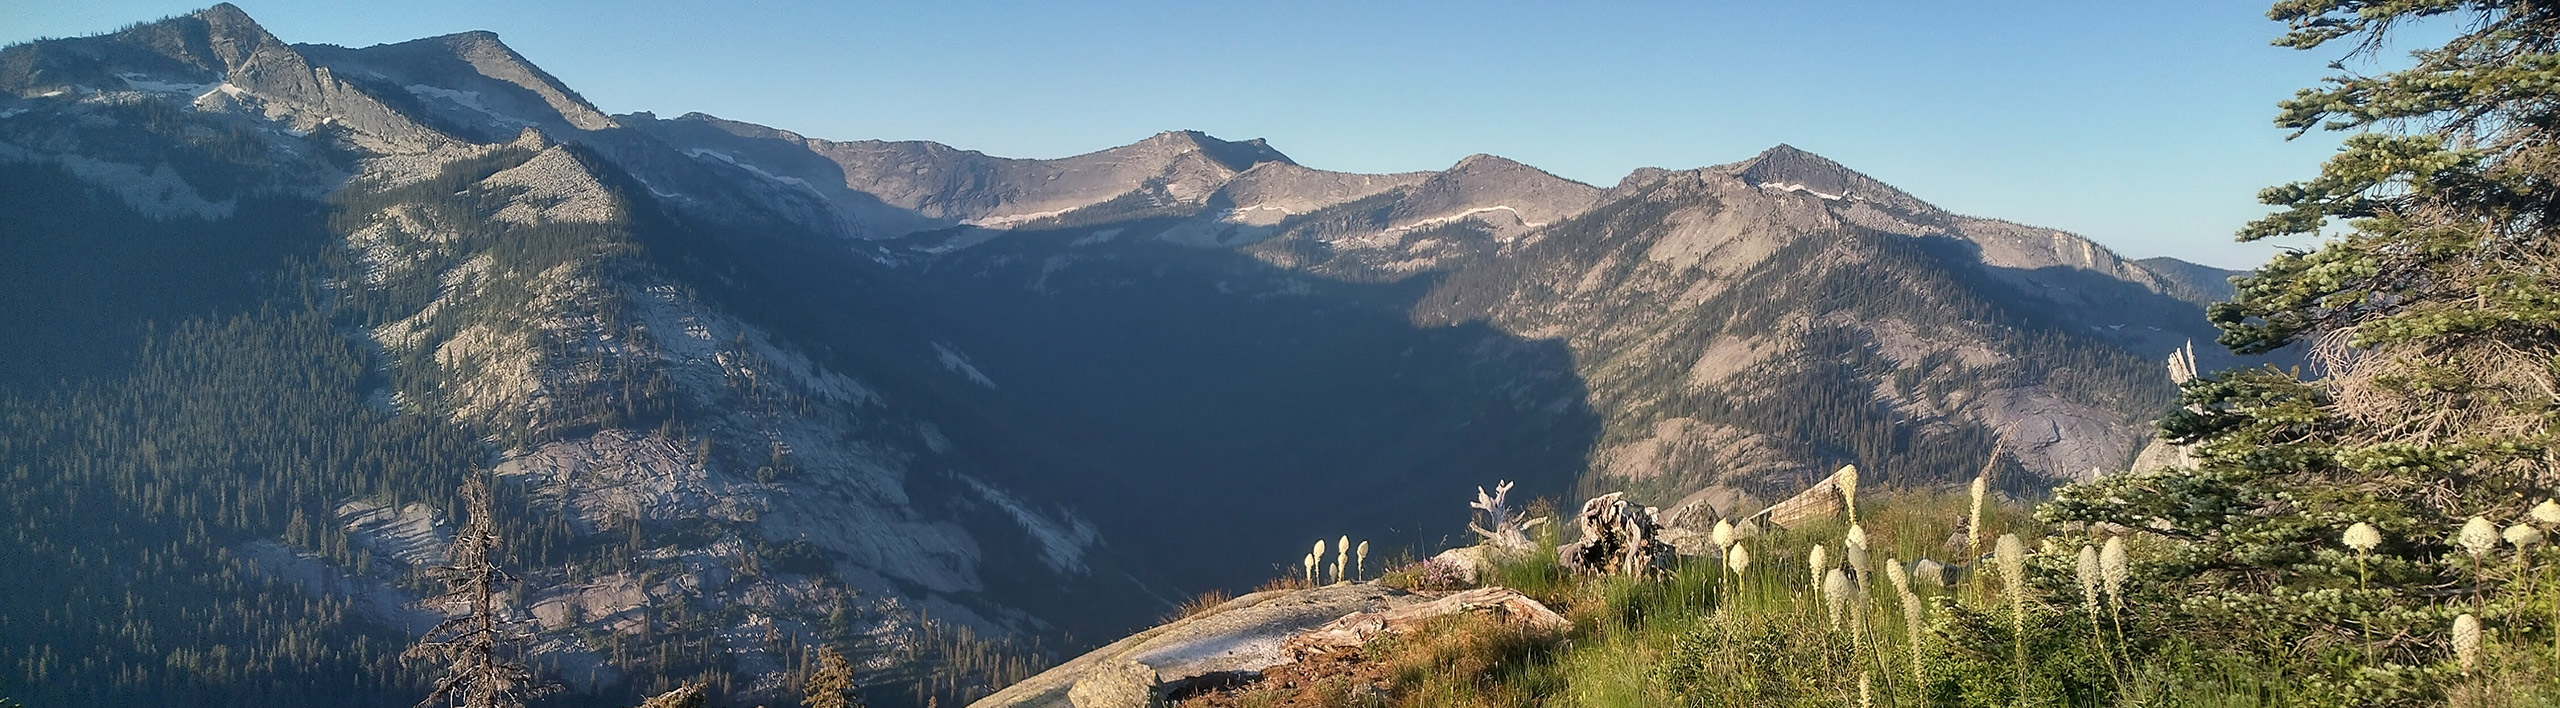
(748, 393)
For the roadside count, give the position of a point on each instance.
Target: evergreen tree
(2432, 318)
(832, 685)
(481, 671)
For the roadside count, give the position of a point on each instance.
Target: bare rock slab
(1243, 636)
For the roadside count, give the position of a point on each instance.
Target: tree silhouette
(477, 645)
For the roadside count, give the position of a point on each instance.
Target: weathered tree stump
(1618, 537)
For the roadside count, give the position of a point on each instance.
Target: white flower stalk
(2523, 537)
(2466, 641)
(2113, 566)
(2012, 558)
(2547, 513)
(1360, 568)
(1318, 553)
(1846, 480)
(1816, 562)
(1973, 520)
(1722, 535)
(2479, 537)
(1746, 531)
(1341, 556)
(1910, 611)
(1856, 550)
(2091, 578)
(2362, 537)
(1310, 562)
(1835, 594)
(1739, 560)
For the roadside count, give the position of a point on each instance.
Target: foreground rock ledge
(1237, 640)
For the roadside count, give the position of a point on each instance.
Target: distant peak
(1235, 155)
(473, 39)
(1789, 167)
(228, 37)
(1482, 161)
(226, 21)
(1784, 155)
(225, 15)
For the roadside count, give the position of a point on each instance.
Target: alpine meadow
(405, 375)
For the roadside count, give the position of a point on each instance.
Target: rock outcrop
(1238, 638)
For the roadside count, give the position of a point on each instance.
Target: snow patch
(959, 363)
(1792, 187)
(759, 171)
(1102, 236)
(1062, 541)
(1438, 220)
(465, 99)
(1257, 215)
(141, 82)
(999, 222)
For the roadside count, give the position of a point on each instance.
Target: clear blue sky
(2143, 125)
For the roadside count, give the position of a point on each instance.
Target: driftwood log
(1503, 605)
(1618, 537)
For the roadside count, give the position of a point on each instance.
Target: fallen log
(1503, 605)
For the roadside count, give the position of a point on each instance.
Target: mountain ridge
(755, 390)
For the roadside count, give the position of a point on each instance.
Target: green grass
(1700, 635)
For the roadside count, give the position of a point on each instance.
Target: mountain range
(753, 392)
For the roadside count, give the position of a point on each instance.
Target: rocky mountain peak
(1786, 167)
(477, 73)
(1234, 155)
(1487, 182)
(1482, 161)
(232, 33)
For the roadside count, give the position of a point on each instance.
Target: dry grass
(1204, 602)
(1285, 582)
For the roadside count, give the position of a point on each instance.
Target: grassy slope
(1701, 635)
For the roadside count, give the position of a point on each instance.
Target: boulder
(1116, 684)
(1475, 564)
(1820, 501)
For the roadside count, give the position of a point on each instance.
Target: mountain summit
(1785, 167)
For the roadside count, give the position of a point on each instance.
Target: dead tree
(1618, 537)
(1509, 531)
(478, 645)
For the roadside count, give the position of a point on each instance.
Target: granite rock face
(1242, 636)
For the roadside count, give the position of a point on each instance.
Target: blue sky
(2145, 126)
